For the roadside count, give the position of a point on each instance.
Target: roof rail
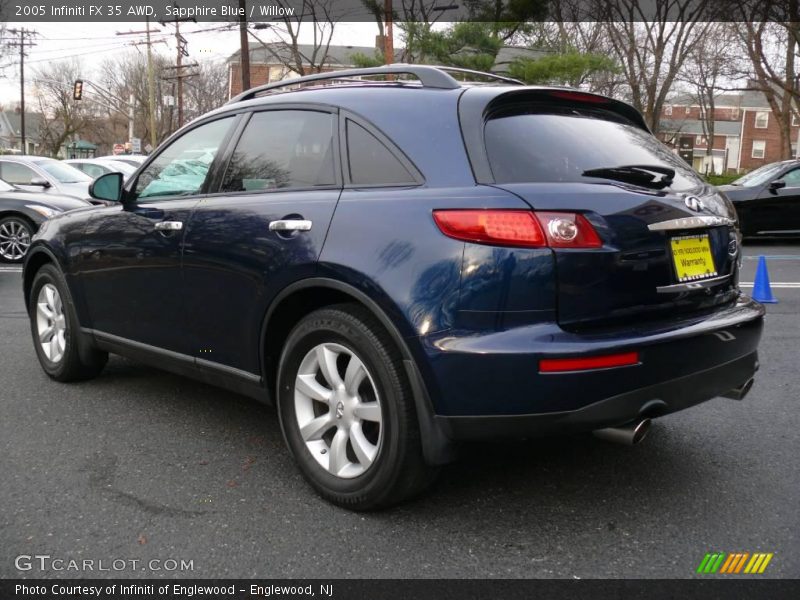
(429, 76)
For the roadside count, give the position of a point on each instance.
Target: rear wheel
(55, 330)
(15, 238)
(347, 411)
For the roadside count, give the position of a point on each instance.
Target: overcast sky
(92, 43)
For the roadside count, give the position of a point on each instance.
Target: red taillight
(497, 227)
(607, 361)
(518, 228)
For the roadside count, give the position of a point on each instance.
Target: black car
(767, 200)
(21, 213)
(399, 265)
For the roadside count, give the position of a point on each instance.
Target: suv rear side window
(283, 149)
(551, 144)
(371, 163)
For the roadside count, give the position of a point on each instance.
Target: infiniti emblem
(693, 203)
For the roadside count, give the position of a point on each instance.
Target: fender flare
(437, 447)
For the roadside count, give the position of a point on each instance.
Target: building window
(759, 148)
(795, 121)
(699, 141)
(668, 110)
(688, 109)
(762, 120)
(735, 112)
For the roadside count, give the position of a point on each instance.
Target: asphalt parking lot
(140, 464)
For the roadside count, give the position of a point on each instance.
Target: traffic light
(77, 89)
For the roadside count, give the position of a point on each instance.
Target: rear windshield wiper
(653, 176)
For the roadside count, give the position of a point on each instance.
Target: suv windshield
(558, 145)
(759, 176)
(62, 172)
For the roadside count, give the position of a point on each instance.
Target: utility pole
(22, 43)
(181, 44)
(388, 39)
(244, 46)
(151, 88)
(151, 83)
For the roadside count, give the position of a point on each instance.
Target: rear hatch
(669, 244)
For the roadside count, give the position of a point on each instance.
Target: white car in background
(135, 160)
(42, 174)
(94, 167)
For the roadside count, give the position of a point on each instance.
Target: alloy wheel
(51, 324)
(15, 238)
(338, 410)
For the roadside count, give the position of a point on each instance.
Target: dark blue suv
(404, 262)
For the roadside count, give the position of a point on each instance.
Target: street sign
(136, 145)
(148, 148)
(119, 149)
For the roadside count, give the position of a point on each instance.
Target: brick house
(746, 134)
(266, 67)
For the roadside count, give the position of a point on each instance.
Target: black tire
(16, 221)
(398, 470)
(77, 362)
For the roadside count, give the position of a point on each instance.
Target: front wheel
(347, 412)
(54, 327)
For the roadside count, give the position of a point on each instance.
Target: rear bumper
(649, 402)
(489, 385)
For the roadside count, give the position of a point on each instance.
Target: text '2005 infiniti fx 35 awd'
(404, 263)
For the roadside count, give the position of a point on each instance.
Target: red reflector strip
(607, 361)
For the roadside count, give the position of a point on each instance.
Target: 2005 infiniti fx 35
(403, 263)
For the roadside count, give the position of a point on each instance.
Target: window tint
(560, 144)
(283, 149)
(792, 178)
(370, 161)
(181, 168)
(11, 172)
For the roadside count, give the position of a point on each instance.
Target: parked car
(41, 174)
(21, 214)
(399, 266)
(94, 167)
(767, 200)
(134, 160)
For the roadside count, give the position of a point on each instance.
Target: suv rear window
(551, 144)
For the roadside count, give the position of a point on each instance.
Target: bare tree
(709, 69)
(208, 89)
(651, 41)
(303, 59)
(62, 117)
(126, 76)
(772, 47)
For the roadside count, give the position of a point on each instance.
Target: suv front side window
(283, 149)
(182, 167)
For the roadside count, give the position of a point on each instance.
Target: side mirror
(777, 184)
(107, 187)
(40, 181)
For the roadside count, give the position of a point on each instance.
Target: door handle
(169, 225)
(290, 225)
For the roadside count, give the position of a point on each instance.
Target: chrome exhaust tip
(629, 434)
(739, 392)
